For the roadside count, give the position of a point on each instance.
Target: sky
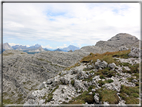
(58, 25)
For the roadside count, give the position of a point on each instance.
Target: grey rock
(90, 67)
(134, 80)
(93, 90)
(79, 85)
(127, 68)
(96, 98)
(106, 104)
(100, 64)
(112, 66)
(81, 75)
(135, 52)
(90, 93)
(64, 80)
(122, 48)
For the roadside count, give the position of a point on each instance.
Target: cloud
(48, 47)
(12, 44)
(64, 46)
(82, 23)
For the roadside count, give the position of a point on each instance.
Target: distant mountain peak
(123, 36)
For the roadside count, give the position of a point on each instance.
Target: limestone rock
(135, 52)
(122, 48)
(112, 66)
(100, 64)
(96, 98)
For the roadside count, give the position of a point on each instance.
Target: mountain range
(36, 48)
(99, 74)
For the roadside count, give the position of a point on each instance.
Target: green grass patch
(7, 54)
(130, 94)
(68, 68)
(106, 95)
(72, 82)
(106, 72)
(108, 56)
(81, 99)
(50, 96)
(134, 69)
(41, 59)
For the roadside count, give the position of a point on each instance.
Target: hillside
(109, 78)
(90, 75)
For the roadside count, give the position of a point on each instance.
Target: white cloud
(12, 44)
(64, 46)
(48, 47)
(80, 22)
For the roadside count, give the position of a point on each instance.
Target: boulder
(81, 75)
(100, 64)
(74, 71)
(90, 67)
(112, 66)
(96, 98)
(106, 104)
(64, 80)
(135, 52)
(134, 80)
(122, 48)
(79, 85)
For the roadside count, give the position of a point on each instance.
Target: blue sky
(58, 25)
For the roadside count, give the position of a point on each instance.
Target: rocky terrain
(113, 44)
(80, 77)
(93, 81)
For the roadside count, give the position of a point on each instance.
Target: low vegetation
(106, 72)
(130, 94)
(106, 95)
(68, 68)
(50, 95)
(108, 56)
(7, 54)
(83, 98)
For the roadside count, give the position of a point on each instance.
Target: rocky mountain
(34, 48)
(19, 47)
(6, 46)
(58, 49)
(79, 77)
(70, 47)
(113, 44)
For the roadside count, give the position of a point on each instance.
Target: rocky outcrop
(30, 70)
(117, 42)
(135, 52)
(100, 65)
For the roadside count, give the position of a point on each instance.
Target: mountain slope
(113, 44)
(70, 47)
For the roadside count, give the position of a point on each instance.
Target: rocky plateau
(107, 73)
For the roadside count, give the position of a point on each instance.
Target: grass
(130, 94)
(106, 72)
(106, 95)
(108, 56)
(72, 82)
(103, 82)
(4, 54)
(68, 68)
(134, 69)
(41, 59)
(50, 96)
(81, 99)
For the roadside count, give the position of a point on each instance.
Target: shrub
(102, 77)
(106, 95)
(132, 92)
(72, 82)
(101, 83)
(110, 81)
